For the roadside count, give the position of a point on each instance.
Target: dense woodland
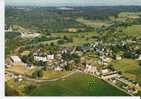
(52, 19)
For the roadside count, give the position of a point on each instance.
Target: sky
(72, 2)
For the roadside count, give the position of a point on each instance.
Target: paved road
(42, 80)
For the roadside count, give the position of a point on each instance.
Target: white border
(72, 98)
(2, 92)
(1, 48)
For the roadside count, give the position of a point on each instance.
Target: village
(73, 51)
(69, 59)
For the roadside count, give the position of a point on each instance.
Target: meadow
(76, 85)
(134, 30)
(130, 68)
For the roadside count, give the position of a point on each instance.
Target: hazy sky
(72, 2)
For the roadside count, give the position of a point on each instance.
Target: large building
(15, 59)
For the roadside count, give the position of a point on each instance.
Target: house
(90, 69)
(64, 51)
(15, 59)
(105, 71)
(58, 69)
(50, 57)
(125, 81)
(105, 59)
(118, 57)
(139, 57)
(7, 65)
(111, 76)
(132, 90)
(72, 30)
(40, 58)
(59, 56)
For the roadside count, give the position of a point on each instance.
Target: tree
(29, 88)
(68, 67)
(37, 74)
(60, 41)
(140, 62)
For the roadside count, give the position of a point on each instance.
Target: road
(42, 80)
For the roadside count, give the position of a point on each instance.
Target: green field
(134, 30)
(11, 35)
(78, 38)
(130, 68)
(77, 85)
(131, 15)
(92, 23)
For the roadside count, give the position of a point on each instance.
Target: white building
(118, 57)
(15, 59)
(58, 69)
(50, 57)
(39, 58)
(115, 75)
(104, 71)
(90, 69)
(139, 57)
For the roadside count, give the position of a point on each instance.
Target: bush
(30, 88)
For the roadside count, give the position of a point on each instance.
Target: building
(50, 57)
(105, 71)
(118, 57)
(90, 69)
(15, 59)
(139, 57)
(110, 76)
(72, 30)
(40, 58)
(58, 69)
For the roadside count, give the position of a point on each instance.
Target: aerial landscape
(72, 50)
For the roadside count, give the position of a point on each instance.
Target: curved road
(42, 80)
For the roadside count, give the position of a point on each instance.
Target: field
(134, 30)
(131, 15)
(77, 85)
(11, 35)
(78, 38)
(92, 23)
(130, 68)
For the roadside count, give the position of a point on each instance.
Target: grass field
(134, 30)
(78, 38)
(131, 15)
(11, 35)
(49, 74)
(77, 85)
(92, 23)
(130, 68)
